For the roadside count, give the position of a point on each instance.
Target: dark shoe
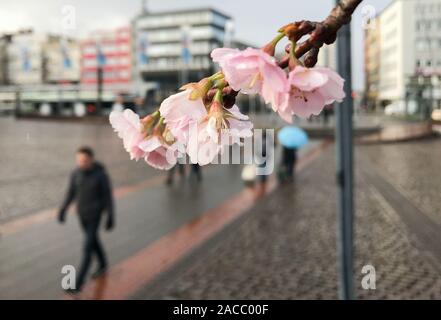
(99, 273)
(72, 292)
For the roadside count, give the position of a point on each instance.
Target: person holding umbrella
(291, 139)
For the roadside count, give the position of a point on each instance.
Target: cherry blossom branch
(203, 115)
(320, 33)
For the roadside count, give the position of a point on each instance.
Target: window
(420, 44)
(428, 25)
(89, 63)
(89, 49)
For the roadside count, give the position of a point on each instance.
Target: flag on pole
(143, 45)
(100, 56)
(186, 43)
(26, 61)
(67, 63)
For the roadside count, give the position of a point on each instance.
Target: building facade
(29, 58)
(4, 43)
(372, 58)
(112, 50)
(61, 62)
(405, 43)
(173, 47)
(25, 58)
(328, 56)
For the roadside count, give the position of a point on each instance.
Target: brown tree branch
(320, 33)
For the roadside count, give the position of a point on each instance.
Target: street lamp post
(99, 99)
(185, 54)
(101, 60)
(344, 142)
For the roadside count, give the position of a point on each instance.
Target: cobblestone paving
(38, 156)
(415, 167)
(286, 249)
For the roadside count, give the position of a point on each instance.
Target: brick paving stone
(31, 259)
(285, 248)
(414, 167)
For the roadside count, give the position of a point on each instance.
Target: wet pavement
(31, 259)
(32, 254)
(281, 248)
(414, 168)
(38, 156)
(285, 247)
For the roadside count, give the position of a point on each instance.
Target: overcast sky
(256, 21)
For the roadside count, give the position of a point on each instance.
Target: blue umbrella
(292, 137)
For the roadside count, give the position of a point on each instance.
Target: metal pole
(184, 74)
(185, 55)
(343, 134)
(99, 100)
(17, 110)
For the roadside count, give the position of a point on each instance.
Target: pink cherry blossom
(311, 89)
(220, 128)
(252, 71)
(128, 126)
(179, 111)
(240, 124)
(157, 153)
(153, 148)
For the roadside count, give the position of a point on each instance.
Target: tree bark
(320, 33)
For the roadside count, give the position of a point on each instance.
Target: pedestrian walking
(262, 154)
(289, 159)
(196, 172)
(171, 173)
(291, 139)
(91, 188)
(118, 105)
(139, 106)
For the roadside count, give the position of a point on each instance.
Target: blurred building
(61, 62)
(405, 43)
(25, 58)
(328, 56)
(4, 43)
(372, 58)
(173, 47)
(111, 49)
(29, 58)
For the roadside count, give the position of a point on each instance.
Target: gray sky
(255, 21)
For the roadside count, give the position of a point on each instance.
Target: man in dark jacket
(91, 188)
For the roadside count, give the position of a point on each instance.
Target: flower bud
(149, 121)
(198, 89)
(269, 48)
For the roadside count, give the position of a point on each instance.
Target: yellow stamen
(258, 76)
